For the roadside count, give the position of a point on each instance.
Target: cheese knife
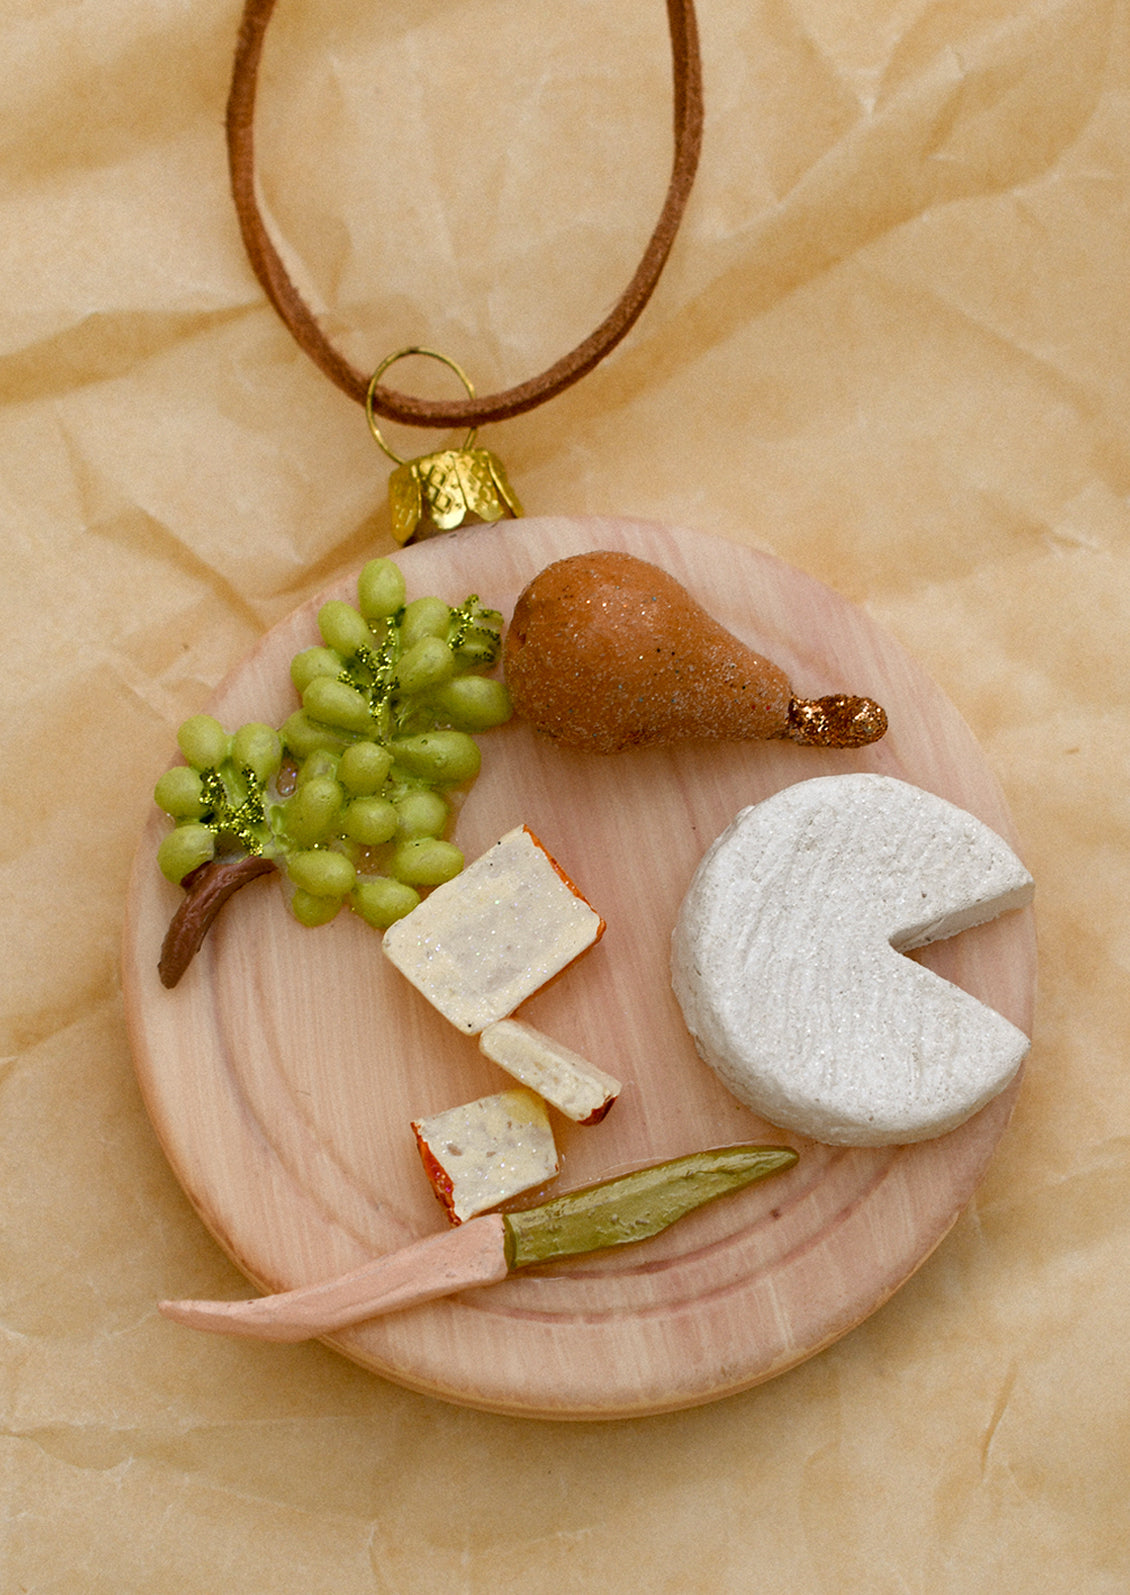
(486, 1249)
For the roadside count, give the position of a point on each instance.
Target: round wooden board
(283, 1072)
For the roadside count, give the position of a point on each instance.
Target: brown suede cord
(387, 402)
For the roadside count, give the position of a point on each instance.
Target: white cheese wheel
(787, 960)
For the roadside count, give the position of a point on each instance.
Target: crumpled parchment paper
(892, 346)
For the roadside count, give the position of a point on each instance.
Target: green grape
(424, 617)
(420, 814)
(320, 762)
(311, 814)
(257, 748)
(472, 703)
(428, 663)
(322, 872)
(179, 793)
(184, 850)
(380, 589)
(343, 629)
(313, 662)
(381, 901)
(425, 861)
(370, 821)
(445, 758)
(311, 910)
(336, 704)
(364, 768)
(204, 742)
(302, 736)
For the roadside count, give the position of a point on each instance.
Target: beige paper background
(891, 346)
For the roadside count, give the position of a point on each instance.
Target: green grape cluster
(352, 795)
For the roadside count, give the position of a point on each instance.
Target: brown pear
(606, 652)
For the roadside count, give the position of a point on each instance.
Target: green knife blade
(617, 1212)
(635, 1206)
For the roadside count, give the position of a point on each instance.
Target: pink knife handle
(458, 1259)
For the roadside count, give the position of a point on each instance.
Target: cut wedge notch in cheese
(483, 942)
(568, 1081)
(786, 960)
(484, 1152)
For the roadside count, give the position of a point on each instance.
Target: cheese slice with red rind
(481, 1153)
(566, 1079)
(787, 960)
(480, 944)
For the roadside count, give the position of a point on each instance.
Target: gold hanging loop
(374, 383)
(441, 490)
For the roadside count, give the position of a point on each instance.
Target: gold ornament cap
(441, 490)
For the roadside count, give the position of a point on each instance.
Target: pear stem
(837, 721)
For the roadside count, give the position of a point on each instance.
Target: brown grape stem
(207, 889)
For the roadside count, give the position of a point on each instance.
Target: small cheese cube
(478, 1155)
(482, 943)
(576, 1087)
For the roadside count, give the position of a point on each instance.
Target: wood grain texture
(281, 1075)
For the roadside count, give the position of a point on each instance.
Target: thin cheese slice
(482, 943)
(478, 1155)
(575, 1087)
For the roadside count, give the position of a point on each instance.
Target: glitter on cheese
(482, 943)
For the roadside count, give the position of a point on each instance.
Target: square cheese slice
(478, 1155)
(482, 943)
(575, 1087)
